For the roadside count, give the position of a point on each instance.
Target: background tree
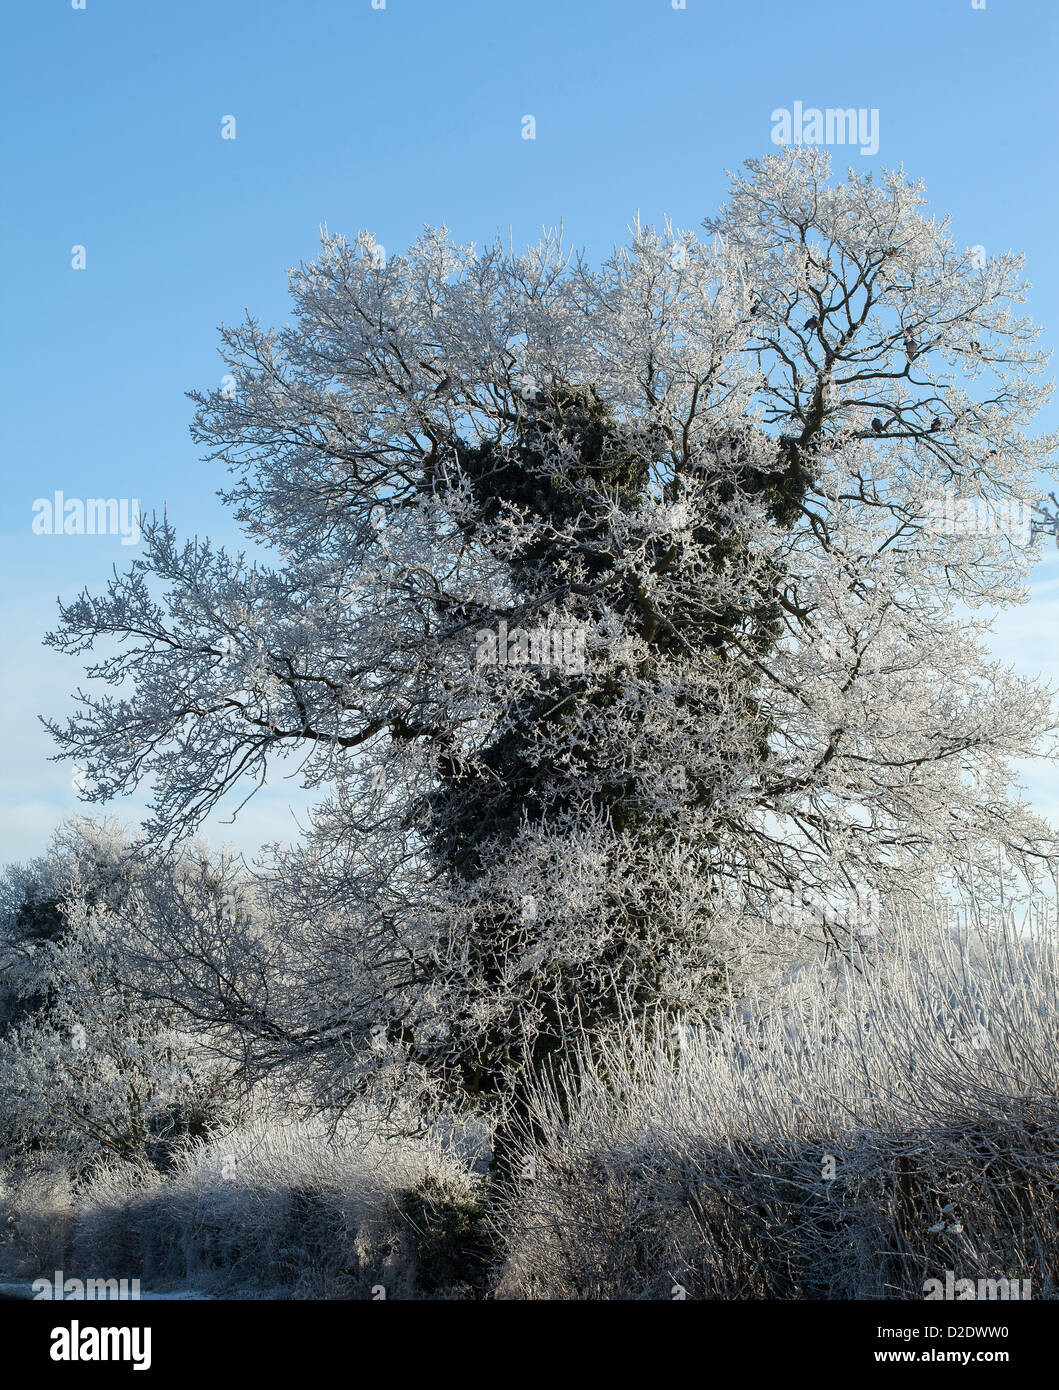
(93, 1065)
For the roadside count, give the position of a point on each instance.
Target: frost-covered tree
(87, 864)
(93, 1065)
(609, 606)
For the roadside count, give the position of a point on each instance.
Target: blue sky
(390, 119)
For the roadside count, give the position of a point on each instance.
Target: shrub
(895, 1119)
(280, 1207)
(453, 1243)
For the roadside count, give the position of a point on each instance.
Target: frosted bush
(281, 1207)
(892, 1116)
